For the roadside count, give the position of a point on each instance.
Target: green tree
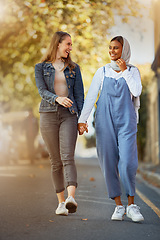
(26, 28)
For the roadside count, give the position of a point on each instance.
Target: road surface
(28, 203)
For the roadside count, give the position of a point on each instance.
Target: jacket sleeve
(78, 90)
(42, 88)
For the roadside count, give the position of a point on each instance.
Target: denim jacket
(45, 75)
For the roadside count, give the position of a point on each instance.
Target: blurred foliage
(90, 141)
(26, 28)
(147, 76)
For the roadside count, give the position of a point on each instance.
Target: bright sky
(140, 34)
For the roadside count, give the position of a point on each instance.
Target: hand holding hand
(82, 127)
(121, 64)
(64, 101)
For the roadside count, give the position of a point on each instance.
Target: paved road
(27, 205)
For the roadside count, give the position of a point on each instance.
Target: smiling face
(64, 48)
(115, 50)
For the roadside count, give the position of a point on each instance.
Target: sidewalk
(150, 173)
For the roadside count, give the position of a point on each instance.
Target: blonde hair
(50, 55)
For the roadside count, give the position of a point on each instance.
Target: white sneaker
(71, 204)
(118, 213)
(133, 212)
(61, 209)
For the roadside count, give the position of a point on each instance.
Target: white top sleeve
(133, 80)
(92, 95)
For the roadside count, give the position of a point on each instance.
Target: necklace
(59, 65)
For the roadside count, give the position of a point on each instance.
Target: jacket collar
(48, 65)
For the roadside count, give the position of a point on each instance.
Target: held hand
(82, 127)
(64, 101)
(121, 64)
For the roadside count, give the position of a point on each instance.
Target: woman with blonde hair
(60, 86)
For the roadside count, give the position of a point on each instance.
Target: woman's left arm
(78, 90)
(133, 79)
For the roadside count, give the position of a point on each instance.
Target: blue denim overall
(116, 128)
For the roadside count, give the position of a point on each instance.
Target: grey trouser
(59, 131)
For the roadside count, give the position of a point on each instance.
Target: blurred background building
(152, 153)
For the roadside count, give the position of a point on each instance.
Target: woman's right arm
(91, 96)
(42, 88)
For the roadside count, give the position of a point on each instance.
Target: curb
(150, 177)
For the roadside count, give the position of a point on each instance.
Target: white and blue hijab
(126, 54)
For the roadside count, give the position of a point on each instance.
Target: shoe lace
(136, 209)
(119, 208)
(61, 205)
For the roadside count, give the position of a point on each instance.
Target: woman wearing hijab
(119, 86)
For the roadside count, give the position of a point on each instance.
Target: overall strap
(104, 70)
(102, 78)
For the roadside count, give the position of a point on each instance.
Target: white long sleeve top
(133, 80)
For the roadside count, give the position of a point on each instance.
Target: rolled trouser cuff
(61, 190)
(72, 184)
